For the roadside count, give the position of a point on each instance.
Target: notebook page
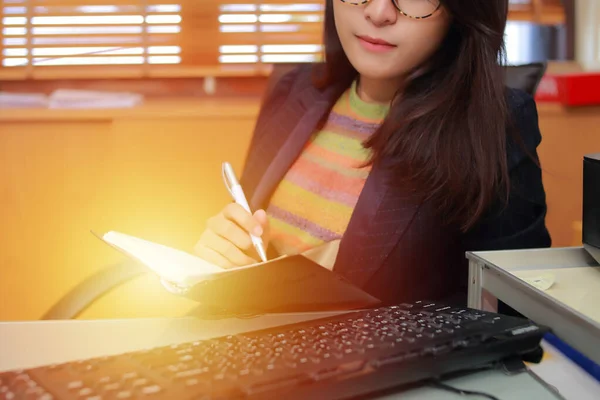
(169, 263)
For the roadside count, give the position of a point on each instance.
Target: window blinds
(47, 39)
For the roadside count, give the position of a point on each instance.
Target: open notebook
(285, 284)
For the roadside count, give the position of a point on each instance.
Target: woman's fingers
(221, 251)
(230, 231)
(236, 213)
(226, 242)
(225, 248)
(212, 256)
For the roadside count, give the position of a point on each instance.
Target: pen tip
(261, 253)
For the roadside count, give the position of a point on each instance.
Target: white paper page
(171, 264)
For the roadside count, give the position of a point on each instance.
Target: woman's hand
(226, 241)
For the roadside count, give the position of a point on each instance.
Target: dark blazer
(395, 247)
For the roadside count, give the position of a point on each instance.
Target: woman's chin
(376, 72)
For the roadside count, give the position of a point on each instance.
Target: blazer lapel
(384, 212)
(382, 217)
(308, 109)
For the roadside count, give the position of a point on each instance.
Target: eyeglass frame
(363, 2)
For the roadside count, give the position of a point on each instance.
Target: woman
(405, 144)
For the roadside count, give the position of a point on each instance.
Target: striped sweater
(314, 201)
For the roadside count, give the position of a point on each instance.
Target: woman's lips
(375, 45)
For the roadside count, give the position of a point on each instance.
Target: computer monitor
(591, 204)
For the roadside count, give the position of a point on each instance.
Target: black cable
(462, 392)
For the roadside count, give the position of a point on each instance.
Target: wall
(587, 32)
(567, 135)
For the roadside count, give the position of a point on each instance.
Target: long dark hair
(446, 136)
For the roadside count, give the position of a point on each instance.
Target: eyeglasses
(416, 9)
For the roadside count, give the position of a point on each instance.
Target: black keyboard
(330, 358)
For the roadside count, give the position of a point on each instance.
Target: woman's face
(381, 43)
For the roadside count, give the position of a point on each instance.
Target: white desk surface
(49, 341)
(572, 274)
(555, 287)
(36, 343)
(576, 287)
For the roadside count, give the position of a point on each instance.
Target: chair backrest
(82, 296)
(526, 77)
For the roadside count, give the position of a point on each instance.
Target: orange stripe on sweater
(333, 157)
(324, 177)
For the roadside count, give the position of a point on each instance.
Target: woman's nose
(381, 12)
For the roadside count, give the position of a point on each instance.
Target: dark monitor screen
(591, 204)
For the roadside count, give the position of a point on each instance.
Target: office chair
(525, 77)
(78, 299)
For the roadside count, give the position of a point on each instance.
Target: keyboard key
(148, 390)
(75, 385)
(35, 391)
(129, 376)
(140, 382)
(192, 382)
(104, 380)
(112, 387)
(85, 392)
(191, 373)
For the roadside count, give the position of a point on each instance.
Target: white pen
(235, 189)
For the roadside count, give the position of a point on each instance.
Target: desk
(30, 344)
(569, 306)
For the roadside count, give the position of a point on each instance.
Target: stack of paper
(70, 98)
(23, 100)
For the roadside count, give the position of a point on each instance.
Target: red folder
(570, 89)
